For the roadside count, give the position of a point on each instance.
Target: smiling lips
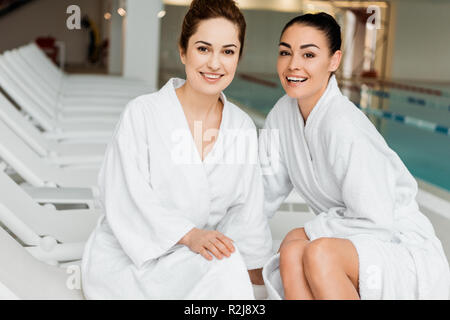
(211, 77)
(295, 81)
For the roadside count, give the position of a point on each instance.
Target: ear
(182, 55)
(335, 61)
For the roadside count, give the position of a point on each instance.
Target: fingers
(217, 244)
(214, 250)
(226, 241)
(221, 247)
(205, 254)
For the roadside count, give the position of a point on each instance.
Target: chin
(211, 89)
(294, 93)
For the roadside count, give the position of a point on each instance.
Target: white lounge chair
(13, 83)
(35, 170)
(97, 107)
(47, 121)
(81, 85)
(24, 277)
(59, 153)
(30, 222)
(50, 235)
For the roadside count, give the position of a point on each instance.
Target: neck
(306, 105)
(196, 103)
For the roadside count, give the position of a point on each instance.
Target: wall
(273, 5)
(48, 18)
(420, 46)
(422, 40)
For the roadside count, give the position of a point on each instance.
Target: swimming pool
(415, 125)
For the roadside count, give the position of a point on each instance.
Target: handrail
(12, 5)
(423, 102)
(400, 86)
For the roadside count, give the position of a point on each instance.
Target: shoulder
(146, 106)
(140, 103)
(133, 111)
(136, 115)
(343, 121)
(344, 127)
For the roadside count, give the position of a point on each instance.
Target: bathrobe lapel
(310, 187)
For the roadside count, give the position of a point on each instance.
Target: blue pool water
(424, 152)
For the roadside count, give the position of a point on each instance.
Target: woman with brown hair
(182, 194)
(369, 239)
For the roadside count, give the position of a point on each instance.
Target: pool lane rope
(409, 99)
(423, 102)
(407, 120)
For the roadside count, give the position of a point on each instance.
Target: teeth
(211, 76)
(295, 79)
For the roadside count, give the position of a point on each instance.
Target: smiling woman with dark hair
(182, 220)
(369, 240)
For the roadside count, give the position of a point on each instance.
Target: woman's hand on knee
(205, 242)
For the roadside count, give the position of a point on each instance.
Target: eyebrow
(304, 46)
(209, 44)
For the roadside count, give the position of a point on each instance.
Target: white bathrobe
(359, 189)
(155, 188)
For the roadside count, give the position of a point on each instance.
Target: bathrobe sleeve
(277, 184)
(144, 227)
(246, 223)
(367, 179)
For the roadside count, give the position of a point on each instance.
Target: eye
(202, 49)
(309, 55)
(284, 53)
(229, 52)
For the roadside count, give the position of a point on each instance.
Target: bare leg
(256, 276)
(293, 277)
(331, 268)
(291, 266)
(294, 234)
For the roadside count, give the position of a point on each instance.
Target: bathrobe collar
(331, 90)
(310, 187)
(180, 121)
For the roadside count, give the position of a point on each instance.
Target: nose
(296, 62)
(214, 61)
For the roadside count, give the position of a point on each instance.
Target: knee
(296, 234)
(318, 257)
(291, 251)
